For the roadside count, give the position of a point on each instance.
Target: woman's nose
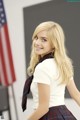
(37, 42)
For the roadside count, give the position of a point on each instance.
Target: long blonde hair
(56, 36)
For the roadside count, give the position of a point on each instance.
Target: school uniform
(47, 72)
(58, 113)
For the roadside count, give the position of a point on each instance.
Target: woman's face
(42, 45)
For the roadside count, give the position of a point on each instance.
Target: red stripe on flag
(7, 68)
(9, 53)
(7, 73)
(3, 64)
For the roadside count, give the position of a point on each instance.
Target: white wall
(14, 11)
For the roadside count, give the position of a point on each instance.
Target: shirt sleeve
(41, 75)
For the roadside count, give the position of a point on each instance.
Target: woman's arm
(44, 97)
(74, 92)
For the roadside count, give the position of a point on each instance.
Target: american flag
(7, 73)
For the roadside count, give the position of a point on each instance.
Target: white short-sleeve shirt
(47, 72)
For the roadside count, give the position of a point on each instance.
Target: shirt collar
(47, 56)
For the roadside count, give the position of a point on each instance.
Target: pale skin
(44, 96)
(73, 91)
(42, 46)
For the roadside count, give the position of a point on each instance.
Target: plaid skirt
(58, 113)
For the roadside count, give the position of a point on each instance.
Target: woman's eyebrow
(43, 37)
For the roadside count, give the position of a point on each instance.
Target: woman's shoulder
(47, 67)
(47, 64)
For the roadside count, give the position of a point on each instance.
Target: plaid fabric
(58, 113)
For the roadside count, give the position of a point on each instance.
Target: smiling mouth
(38, 48)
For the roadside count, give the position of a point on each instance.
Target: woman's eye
(43, 40)
(36, 38)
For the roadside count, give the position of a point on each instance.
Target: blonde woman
(52, 72)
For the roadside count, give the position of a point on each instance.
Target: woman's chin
(38, 53)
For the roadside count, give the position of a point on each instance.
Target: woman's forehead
(42, 33)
